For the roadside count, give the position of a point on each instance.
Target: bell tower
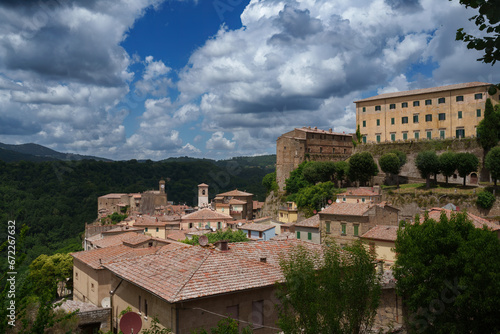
(162, 186)
(202, 195)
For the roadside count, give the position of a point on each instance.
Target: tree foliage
(487, 21)
(269, 182)
(314, 197)
(466, 164)
(487, 129)
(485, 200)
(427, 163)
(52, 270)
(448, 274)
(228, 234)
(362, 167)
(492, 162)
(447, 164)
(392, 163)
(296, 181)
(226, 326)
(337, 292)
(319, 171)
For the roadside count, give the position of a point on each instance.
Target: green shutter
(298, 234)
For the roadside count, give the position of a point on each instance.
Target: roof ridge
(190, 276)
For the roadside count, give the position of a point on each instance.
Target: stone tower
(162, 186)
(202, 195)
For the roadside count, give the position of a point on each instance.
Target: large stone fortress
(300, 144)
(452, 111)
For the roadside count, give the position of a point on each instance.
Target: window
(404, 120)
(333, 150)
(441, 100)
(146, 229)
(429, 134)
(76, 275)
(459, 115)
(416, 135)
(378, 122)
(343, 229)
(478, 96)
(260, 234)
(404, 105)
(392, 106)
(478, 112)
(442, 116)
(364, 109)
(378, 138)
(405, 135)
(309, 236)
(92, 286)
(328, 227)
(363, 199)
(442, 134)
(145, 307)
(356, 230)
(219, 225)
(343, 199)
(298, 234)
(428, 102)
(378, 108)
(428, 118)
(392, 120)
(257, 316)
(459, 98)
(157, 229)
(415, 118)
(393, 137)
(416, 103)
(364, 124)
(460, 133)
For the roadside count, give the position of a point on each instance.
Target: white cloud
(218, 142)
(155, 80)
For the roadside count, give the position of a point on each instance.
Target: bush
(485, 200)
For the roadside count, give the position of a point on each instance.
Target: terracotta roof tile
(177, 235)
(114, 240)
(361, 191)
(235, 192)
(113, 196)
(95, 258)
(309, 222)
(348, 209)
(382, 232)
(256, 227)
(425, 91)
(236, 201)
(206, 214)
(435, 213)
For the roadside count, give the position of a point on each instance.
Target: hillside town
(143, 264)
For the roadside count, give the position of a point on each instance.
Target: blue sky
(151, 79)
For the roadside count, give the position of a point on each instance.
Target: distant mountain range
(37, 153)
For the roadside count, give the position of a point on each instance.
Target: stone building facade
(301, 144)
(432, 113)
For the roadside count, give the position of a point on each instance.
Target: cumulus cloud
(155, 80)
(218, 142)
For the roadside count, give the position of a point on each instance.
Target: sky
(152, 79)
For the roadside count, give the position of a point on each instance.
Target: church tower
(202, 195)
(162, 186)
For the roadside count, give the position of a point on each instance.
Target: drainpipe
(111, 294)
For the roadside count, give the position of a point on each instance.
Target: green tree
(485, 200)
(296, 180)
(228, 234)
(269, 181)
(487, 129)
(341, 172)
(427, 163)
(362, 167)
(319, 171)
(448, 274)
(52, 270)
(447, 164)
(466, 164)
(337, 292)
(391, 164)
(487, 21)
(492, 162)
(314, 197)
(226, 326)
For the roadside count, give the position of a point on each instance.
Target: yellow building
(381, 240)
(288, 213)
(432, 113)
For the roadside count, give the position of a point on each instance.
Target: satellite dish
(130, 323)
(105, 302)
(214, 229)
(203, 240)
(239, 224)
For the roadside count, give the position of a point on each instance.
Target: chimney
(223, 245)
(330, 130)
(315, 128)
(264, 259)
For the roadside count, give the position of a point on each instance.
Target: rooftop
(309, 222)
(361, 191)
(478, 222)
(113, 196)
(348, 209)
(179, 274)
(113, 240)
(205, 214)
(256, 227)
(382, 232)
(235, 192)
(425, 91)
(316, 130)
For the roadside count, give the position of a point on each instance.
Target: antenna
(203, 240)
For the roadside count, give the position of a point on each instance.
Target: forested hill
(35, 152)
(56, 198)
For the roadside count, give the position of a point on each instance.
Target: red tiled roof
(95, 258)
(382, 232)
(236, 201)
(348, 209)
(316, 130)
(123, 228)
(284, 236)
(255, 227)
(149, 221)
(362, 191)
(193, 272)
(435, 213)
(114, 240)
(177, 235)
(113, 196)
(235, 192)
(203, 185)
(425, 91)
(309, 222)
(206, 214)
